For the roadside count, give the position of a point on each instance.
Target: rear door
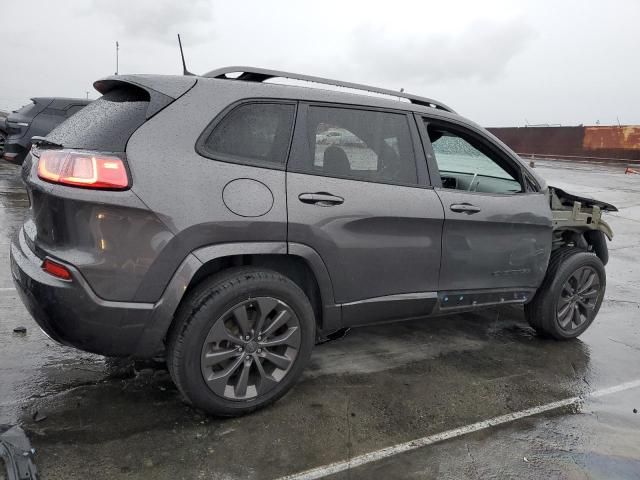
(358, 194)
(497, 230)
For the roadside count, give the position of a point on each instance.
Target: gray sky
(498, 62)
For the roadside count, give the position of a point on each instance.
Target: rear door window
(359, 144)
(254, 133)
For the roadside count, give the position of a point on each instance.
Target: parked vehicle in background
(214, 221)
(337, 137)
(3, 130)
(37, 118)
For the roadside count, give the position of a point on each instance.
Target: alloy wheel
(250, 348)
(578, 299)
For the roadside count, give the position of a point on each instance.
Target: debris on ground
(20, 329)
(38, 417)
(119, 368)
(145, 372)
(337, 335)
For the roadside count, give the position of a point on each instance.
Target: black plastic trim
(254, 74)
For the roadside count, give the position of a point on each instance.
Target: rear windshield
(105, 124)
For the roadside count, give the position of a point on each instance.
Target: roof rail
(253, 74)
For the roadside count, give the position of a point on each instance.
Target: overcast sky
(498, 62)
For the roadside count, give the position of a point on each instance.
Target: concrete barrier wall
(601, 142)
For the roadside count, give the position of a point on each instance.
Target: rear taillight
(83, 169)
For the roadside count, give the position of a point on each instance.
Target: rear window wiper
(43, 142)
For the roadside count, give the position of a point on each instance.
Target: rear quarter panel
(111, 237)
(185, 189)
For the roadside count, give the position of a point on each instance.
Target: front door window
(465, 164)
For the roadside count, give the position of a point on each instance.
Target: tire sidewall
(210, 309)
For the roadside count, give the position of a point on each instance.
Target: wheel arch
(300, 263)
(588, 239)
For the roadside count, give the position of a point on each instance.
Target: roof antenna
(184, 65)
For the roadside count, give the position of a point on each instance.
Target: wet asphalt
(91, 417)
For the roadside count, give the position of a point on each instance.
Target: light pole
(117, 60)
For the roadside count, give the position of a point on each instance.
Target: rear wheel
(3, 139)
(240, 341)
(568, 300)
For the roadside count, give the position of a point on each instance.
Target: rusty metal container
(603, 143)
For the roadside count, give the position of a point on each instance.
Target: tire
(3, 140)
(216, 355)
(562, 288)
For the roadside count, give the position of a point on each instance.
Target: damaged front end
(577, 221)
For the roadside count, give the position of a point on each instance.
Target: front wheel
(570, 296)
(240, 341)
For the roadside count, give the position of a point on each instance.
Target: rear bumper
(70, 313)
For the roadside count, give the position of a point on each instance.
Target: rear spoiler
(162, 89)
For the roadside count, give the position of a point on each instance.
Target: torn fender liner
(16, 451)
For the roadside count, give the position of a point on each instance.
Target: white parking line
(7, 289)
(354, 462)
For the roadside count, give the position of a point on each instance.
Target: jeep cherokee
(229, 223)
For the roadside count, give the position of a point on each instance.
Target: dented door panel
(498, 241)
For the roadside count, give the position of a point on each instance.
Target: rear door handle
(322, 199)
(464, 208)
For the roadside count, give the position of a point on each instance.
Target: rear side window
(361, 145)
(105, 124)
(256, 133)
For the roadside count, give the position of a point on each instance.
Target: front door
(358, 197)
(497, 231)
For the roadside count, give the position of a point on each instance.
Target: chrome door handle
(322, 199)
(464, 208)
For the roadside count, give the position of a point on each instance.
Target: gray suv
(229, 223)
